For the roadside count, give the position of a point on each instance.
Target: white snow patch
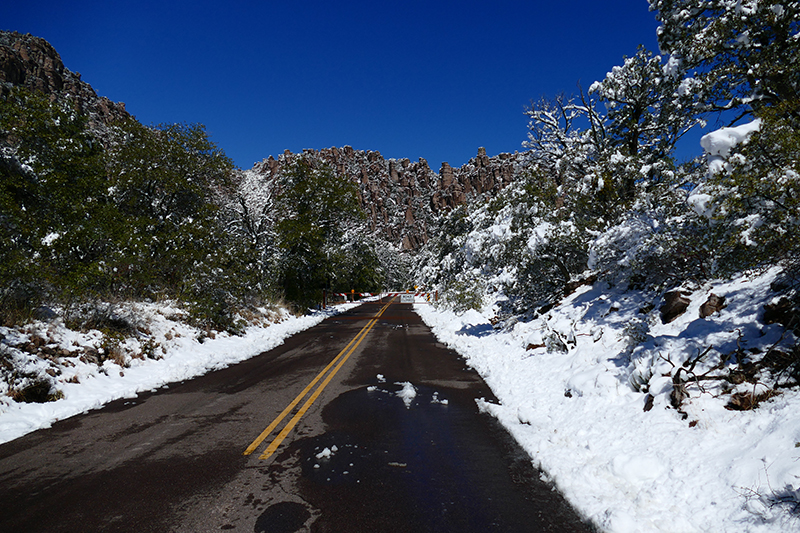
(407, 393)
(580, 413)
(327, 452)
(435, 399)
(718, 144)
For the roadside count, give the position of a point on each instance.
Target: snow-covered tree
(743, 57)
(648, 108)
(564, 135)
(314, 206)
(735, 52)
(56, 226)
(165, 180)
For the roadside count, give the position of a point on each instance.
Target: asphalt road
(389, 439)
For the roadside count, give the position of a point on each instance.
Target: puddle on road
(426, 463)
(284, 517)
(366, 433)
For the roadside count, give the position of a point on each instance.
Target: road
(389, 438)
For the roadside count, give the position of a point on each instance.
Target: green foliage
(647, 110)
(736, 53)
(359, 266)
(138, 218)
(163, 181)
(756, 203)
(313, 207)
(461, 295)
(603, 196)
(56, 220)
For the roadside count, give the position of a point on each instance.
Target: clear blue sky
(432, 79)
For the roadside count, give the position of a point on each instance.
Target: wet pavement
(395, 442)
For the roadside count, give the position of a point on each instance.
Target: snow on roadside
(87, 386)
(576, 409)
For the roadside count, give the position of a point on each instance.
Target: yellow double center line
(341, 358)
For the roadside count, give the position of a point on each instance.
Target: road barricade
(413, 297)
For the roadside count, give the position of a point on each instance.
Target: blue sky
(431, 79)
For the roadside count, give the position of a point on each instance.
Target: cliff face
(32, 62)
(403, 197)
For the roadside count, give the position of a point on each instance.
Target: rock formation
(32, 62)
(402, 197)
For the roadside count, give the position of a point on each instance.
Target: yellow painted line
(273, 446)
(264, 434)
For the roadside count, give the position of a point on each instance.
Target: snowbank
(86, 386)
(579, 409)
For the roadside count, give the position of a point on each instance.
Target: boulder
(714, 304)
(675, 304)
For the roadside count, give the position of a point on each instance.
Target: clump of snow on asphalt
(183, 352)
(407, 393)
(327, 452)
(574, 386)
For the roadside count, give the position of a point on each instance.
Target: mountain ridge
(400, 197)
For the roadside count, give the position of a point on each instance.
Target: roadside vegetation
(95, 218)
(604, 197)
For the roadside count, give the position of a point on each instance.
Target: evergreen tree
(312, 206)
(734, 52)
(648, 108)
(56, 221)
(165, 181)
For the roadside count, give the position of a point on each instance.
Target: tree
(57, 224)
(734, 52)
(312, 206)
(648, 107)
(166, 181)
(754, 199)
(558, 139)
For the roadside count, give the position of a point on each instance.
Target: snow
(327, 452)
(578, 409)
(718, 144)
(407, 393)
(436, 400)
(50, 238)
(184, 356)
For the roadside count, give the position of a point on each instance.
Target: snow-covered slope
(586, 389)
(182, 352)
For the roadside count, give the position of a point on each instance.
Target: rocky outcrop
(402, 197)
(481, 176)
(33, 63)
(714, 304)
(675, 304)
